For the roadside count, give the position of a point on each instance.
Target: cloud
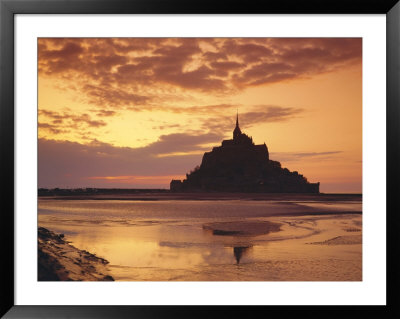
(71, 164)
(181, 142)
(123, 72)
(51, 114)
(114, 97)
(104, 113)
(268, 114)
(69, 49)
(62, 122)
(313, 154)
(50, 127)
(249, 52)
(223, 68)
(201, 109)
(257, 114)
(166, 126)
(288, 156)
(265, 73)
(200, 79)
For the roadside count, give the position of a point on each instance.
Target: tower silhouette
(237, 132)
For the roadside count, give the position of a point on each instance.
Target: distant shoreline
(160, 196)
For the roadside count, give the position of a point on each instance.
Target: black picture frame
(8, 8)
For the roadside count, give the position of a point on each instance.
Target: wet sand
(224, 240)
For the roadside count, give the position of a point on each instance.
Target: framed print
(163, 155)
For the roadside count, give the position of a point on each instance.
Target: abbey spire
(237, 132)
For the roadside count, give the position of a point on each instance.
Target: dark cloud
(178, 53)
(51, 114)
(248, 52)
(166, 126)
(268, 114)
(287, 156)
(107, 62)
(69, 49)
(67, 57)
(62, 122)
(265, 73)
(123, 71)
(223, 68)
(200, 79)
(214, 56)
(85, 118)
(313, 154)
(181, 142)
(55, 129)
(166, 64)
(70, 164)
(100, 96)
(328, 50)
(104, 113)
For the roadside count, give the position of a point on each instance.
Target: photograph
(200, 159)
(175, 159)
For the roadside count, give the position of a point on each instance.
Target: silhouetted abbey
(238, 165)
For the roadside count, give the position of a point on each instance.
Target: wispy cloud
(257, 114)
(293, 156)
(62, 122)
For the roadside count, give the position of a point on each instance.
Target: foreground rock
(60, 261)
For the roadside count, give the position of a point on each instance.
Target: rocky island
(238, 165)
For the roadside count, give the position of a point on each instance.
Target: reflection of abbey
(238, 165)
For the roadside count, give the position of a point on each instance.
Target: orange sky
(135, 113)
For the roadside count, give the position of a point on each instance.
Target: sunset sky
(138, 112)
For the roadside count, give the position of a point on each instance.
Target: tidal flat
(214, 237)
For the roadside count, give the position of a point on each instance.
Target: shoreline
(58, 260)
(162, 196)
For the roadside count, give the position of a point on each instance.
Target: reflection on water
(167, 240)
(238, 252)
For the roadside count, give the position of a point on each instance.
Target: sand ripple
(341, 240)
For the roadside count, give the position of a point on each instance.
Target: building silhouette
(238, 165)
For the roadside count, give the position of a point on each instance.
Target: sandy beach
(306, 238)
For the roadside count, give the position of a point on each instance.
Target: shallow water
(165, 240)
